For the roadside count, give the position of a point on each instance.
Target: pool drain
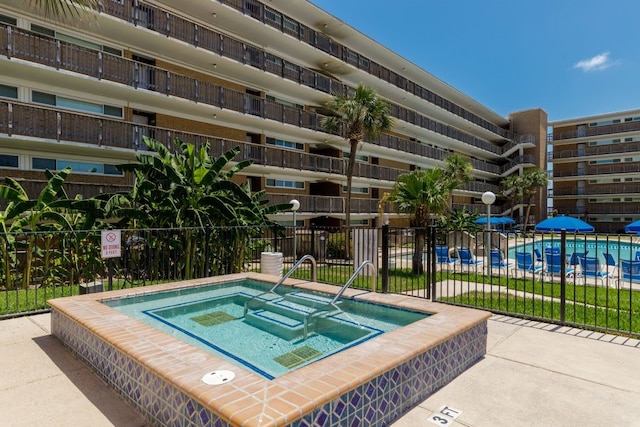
(218, 377)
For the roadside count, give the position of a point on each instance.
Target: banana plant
(191, 189)
(26, 215)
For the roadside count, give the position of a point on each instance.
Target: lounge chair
(591, 268)
(554, 263)
(637, 256)
(575, 258)
(538, 255)
(443, 258)
(525, 262)
(466, 257)
(630, 271)
(499, 261)
(610, 261)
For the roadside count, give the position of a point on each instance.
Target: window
(359, 157)
(74, 104)
(8, 91)
(74, 40)
(8, 161)
(356, 190)
(281, 183)
(286, 144)
(4, 19)
(38, 163)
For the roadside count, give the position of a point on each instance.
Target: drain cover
(218, 377)
(298, 356)
(214, 318)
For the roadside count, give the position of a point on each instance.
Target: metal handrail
(353, 277)
(339, 294)
(285, 277)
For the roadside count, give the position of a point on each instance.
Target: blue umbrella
(569, 223)
(633, 227)
(495, 220)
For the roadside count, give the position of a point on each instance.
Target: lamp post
(488, 198)
(295, 205)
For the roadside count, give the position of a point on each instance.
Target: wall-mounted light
(215, 15)
(215, 66)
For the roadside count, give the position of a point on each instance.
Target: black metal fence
(586, 280)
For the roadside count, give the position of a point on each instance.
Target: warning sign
(110, 244)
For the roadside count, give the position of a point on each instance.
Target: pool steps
(285, 316)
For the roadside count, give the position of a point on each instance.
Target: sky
(571, 58)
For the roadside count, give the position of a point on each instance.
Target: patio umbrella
(633, 227)
(569, 223)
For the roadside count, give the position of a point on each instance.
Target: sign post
(111, 247)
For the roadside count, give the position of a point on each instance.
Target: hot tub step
(278, 324)
(308, 299)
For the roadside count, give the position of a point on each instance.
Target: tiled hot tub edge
(379, 401)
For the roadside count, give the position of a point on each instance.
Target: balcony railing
(15, 42)
(287, 25)
(598, 170)
(60, 125)
(626, 147)
(630, 209)
(601, 189)
(595, 131)
(327, 204)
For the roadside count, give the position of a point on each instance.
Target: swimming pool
(271, 338)
(595, 248)
(372, 383)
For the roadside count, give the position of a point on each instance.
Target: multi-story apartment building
(237, 73)
(596, 168)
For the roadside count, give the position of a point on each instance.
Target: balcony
(276, 19)
(609, 189)
(328, 205)
(59, 125)
(620, 168)
(619, 148)
(595, 131)
(18, 43)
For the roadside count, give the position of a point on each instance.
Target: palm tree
(533, 181)
(61, 9)
(521, 188)
(512, 189)
(420, 193)
(364, 114)
(458, 171)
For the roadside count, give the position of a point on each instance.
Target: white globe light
(488, 198)
(295, 205)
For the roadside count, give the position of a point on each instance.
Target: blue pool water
(619, 250)
(270, 338)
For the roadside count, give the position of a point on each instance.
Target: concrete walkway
(534, 374)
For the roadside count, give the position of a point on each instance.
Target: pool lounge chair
(538, 255)
(466, 257)
(525, 263)
(575, 258)
(553, 265)
(610, 261)
(499, 261)
(591, 268)
(630, 271)
(443, 258)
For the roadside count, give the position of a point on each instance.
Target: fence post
(207, 251)
(431, 263)
(563, 275)
(385, 258)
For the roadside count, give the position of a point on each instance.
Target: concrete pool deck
(533, 374)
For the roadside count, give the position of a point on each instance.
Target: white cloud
(597, 63)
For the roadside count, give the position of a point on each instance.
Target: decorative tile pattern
(132, 359)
